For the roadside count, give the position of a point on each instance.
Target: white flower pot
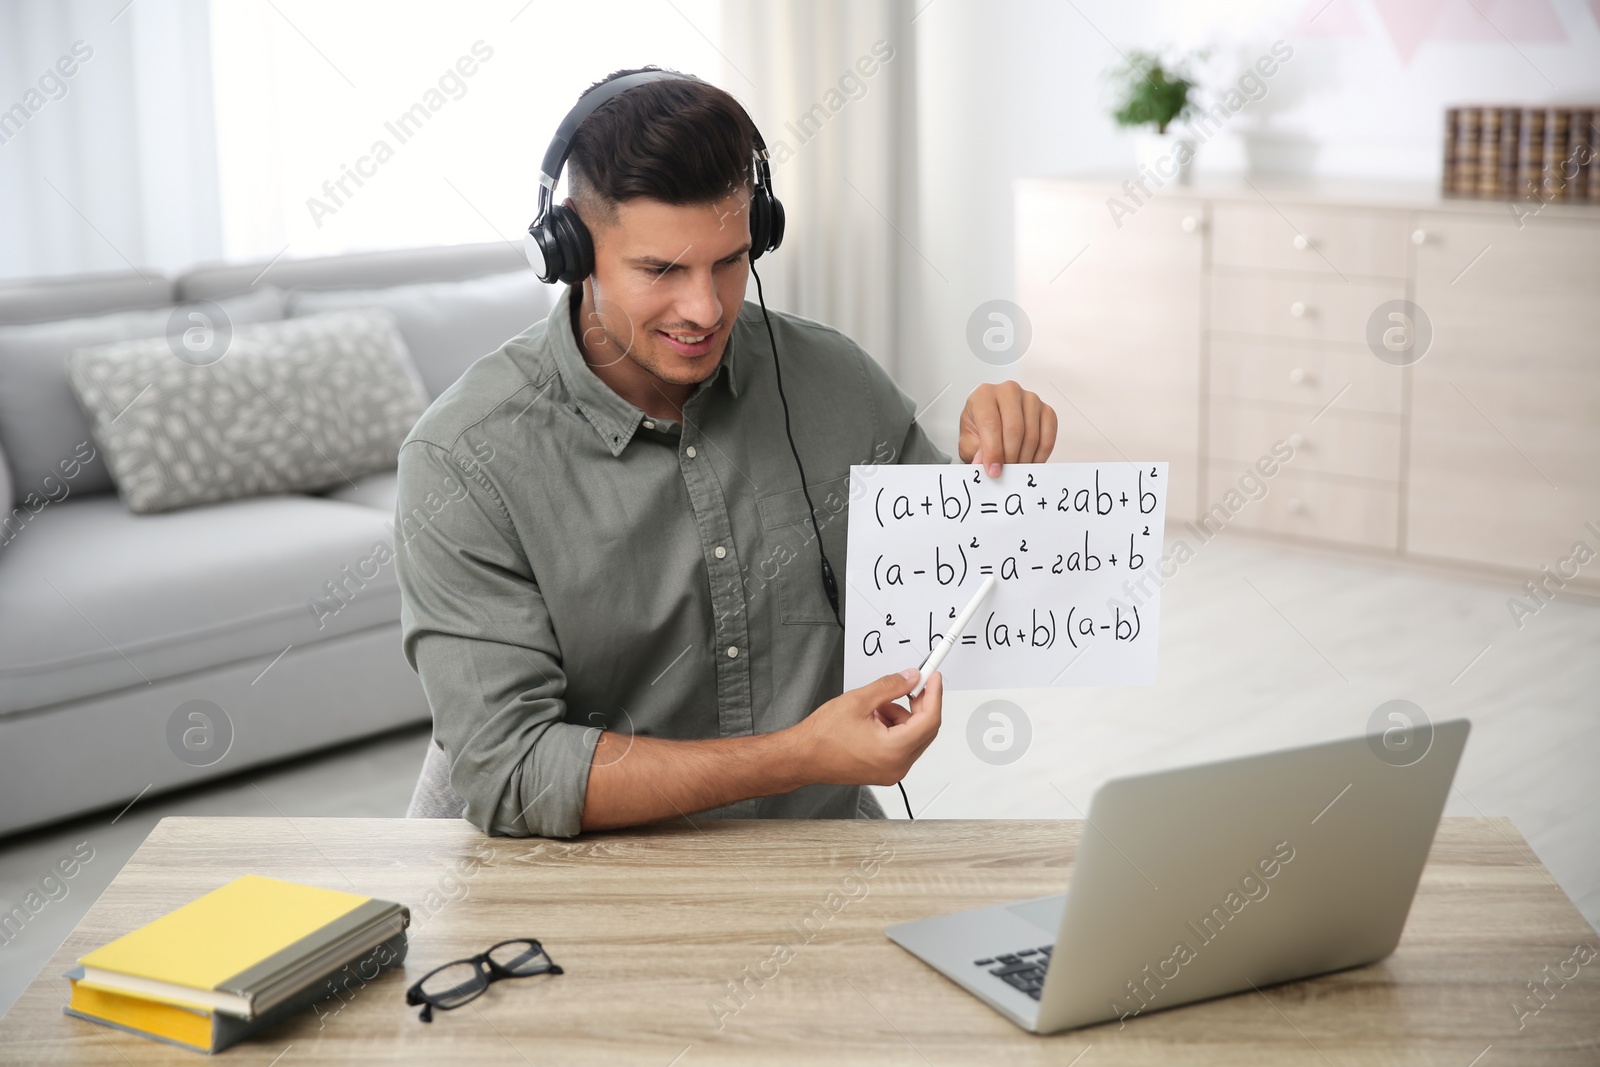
(1168, 156)
(1273, 152)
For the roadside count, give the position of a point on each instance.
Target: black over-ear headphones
(560, 249)
(558, 244)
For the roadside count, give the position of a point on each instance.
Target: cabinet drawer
(1300, 372)
(1357, 445)
(1297, 309)
(1317, 240)
(1316, 507)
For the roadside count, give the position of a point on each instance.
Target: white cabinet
(1218, 319)
(1116, 315)
(1505, 408)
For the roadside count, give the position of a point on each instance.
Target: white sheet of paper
(1074, 547)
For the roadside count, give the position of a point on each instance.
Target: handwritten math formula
(1066, 543)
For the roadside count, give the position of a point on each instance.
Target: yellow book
(182, 1026)
(208, 971)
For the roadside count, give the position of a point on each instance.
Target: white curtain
(113, 165)
(831, 85)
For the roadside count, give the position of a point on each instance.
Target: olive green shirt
(569, 564)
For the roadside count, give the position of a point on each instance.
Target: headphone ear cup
(576, 247)
(760, 222)
(766, 222)
(774, 223)
(543, 251)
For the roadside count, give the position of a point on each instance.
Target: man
(611, 588)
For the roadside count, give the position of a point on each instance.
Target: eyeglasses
(453, 984)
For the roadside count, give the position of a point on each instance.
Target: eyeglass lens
(520, 957)
(454, 985)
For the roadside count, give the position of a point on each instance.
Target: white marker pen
(953, 634)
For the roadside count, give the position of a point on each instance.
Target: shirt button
(733, 651)
(689, 451)
(649, 425)
(721, 552)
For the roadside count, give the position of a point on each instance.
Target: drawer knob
(1302, 242)
(1190, 224)
(1295, 506)
(1297, 441)
(1297, 376)
(1298, 309)
(1419, 237)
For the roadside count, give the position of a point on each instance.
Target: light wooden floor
(1260, 648)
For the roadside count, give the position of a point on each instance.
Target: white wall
(1017, 89)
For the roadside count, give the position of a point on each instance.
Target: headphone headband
(555, 157)
(558, 245)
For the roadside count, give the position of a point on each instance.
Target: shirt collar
(613, 418)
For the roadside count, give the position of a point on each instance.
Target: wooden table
(658, 928)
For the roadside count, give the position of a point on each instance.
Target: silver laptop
(1201, 881)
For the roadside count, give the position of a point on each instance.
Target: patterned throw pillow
(297, 405)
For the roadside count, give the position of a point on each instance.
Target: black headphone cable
(829, 584)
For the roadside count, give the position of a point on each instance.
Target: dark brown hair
(679, 142)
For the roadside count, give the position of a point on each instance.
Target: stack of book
(1517, 153)
(238, 960)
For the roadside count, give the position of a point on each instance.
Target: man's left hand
(1005, 423)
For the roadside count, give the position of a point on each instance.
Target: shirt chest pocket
(789, 560)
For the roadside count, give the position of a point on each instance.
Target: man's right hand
(858, 738)
(862, 737)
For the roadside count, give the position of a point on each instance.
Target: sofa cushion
(374, 491)
(94, 599)
(41, 425)
(447, 325)
(300, 404)
(53, 490)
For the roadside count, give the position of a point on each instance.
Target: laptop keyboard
(1022, 971)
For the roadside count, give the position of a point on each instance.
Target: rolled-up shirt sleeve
(476, 630)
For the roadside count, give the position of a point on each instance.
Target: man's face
(668, 284)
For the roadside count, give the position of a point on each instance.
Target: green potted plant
(1152, 97)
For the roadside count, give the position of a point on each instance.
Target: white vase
(1279, 153)
(1166, 155)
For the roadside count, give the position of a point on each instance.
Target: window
(365, 125)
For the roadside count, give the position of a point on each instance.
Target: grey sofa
(147, 652)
